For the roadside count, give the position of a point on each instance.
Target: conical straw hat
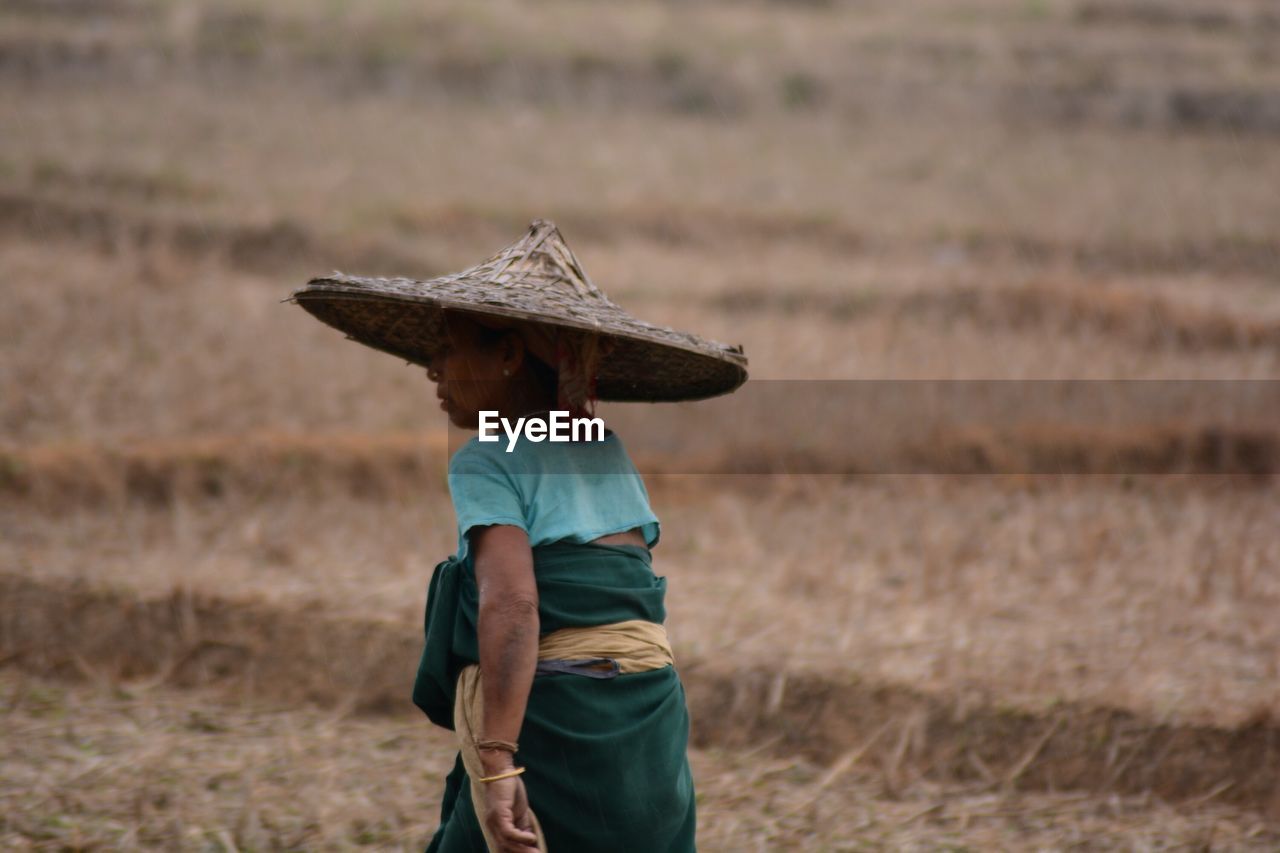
(537, 279)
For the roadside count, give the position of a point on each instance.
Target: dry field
(217, 518)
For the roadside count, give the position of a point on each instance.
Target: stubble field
(218, 518)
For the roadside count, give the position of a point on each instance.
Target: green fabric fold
(578, 586)
(607, 759)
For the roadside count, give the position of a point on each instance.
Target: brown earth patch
(307, 655)
(909, 735)
(245, 46)
(388, 465)
(1178, 108)
(77, 8)
(159, 472)
(1072, 450)
(265, 248)
(1144, 319)
(84, 771)
(1163, 14)
(285, 244)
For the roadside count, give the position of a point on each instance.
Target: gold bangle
(502, 745)
(484, 780)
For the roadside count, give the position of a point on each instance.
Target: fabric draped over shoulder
(606, 759)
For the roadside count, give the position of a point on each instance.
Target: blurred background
(218, 518)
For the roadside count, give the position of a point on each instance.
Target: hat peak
(543, 251)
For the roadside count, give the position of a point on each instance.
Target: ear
(512, 350)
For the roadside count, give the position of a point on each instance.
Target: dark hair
(544, 374)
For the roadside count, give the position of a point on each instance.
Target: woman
(544, 643)
(572, 514)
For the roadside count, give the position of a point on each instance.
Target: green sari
(607, 764)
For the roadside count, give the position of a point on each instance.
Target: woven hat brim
(646, 363)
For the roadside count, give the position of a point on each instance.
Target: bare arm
(508, 628)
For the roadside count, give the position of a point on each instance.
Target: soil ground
(1049, 636)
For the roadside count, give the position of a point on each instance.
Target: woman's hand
(507, 816)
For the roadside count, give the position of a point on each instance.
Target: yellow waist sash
(637, 645)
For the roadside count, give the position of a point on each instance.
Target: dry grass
(91, 767)
(1150, 596)
(317, 652)
(152, 345)
(984, 189)
(911, 179)
(947, 122)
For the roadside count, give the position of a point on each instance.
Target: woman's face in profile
(468, 372)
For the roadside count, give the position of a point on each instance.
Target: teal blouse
(555, 491)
